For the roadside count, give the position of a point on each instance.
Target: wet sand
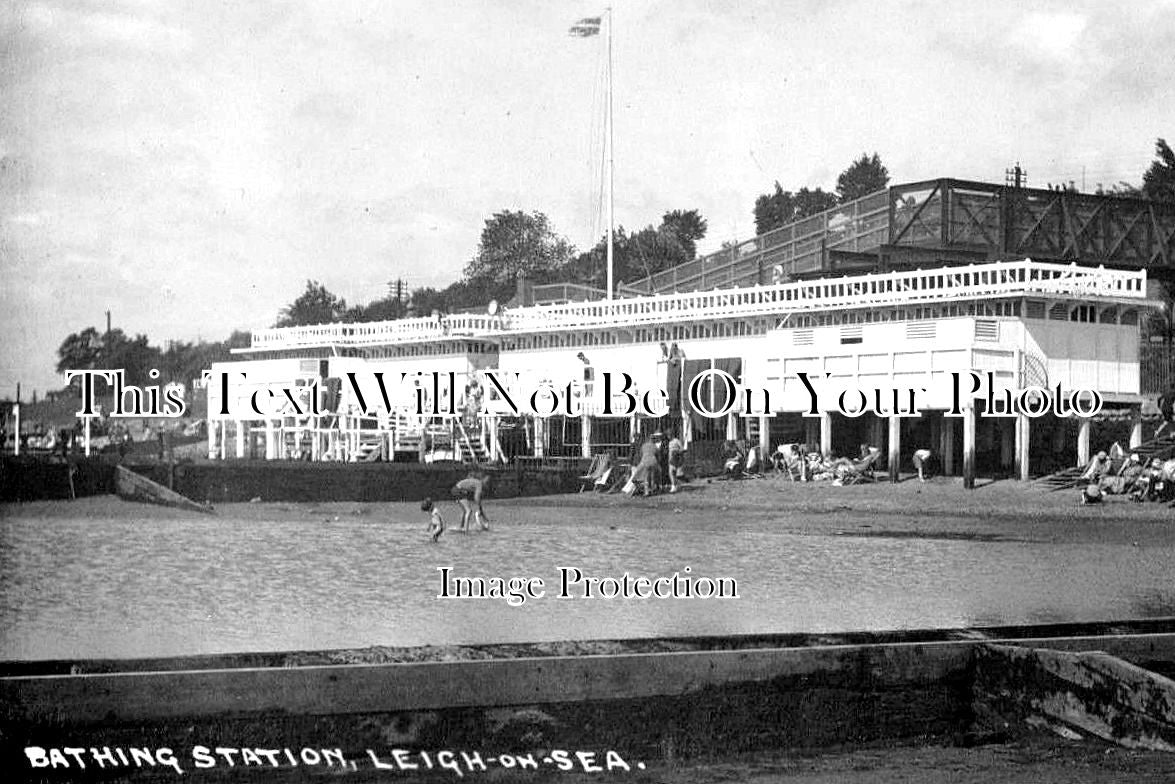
(939, 509)
(997, 511)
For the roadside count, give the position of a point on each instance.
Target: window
(851, 334)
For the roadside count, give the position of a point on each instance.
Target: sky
(188, 166)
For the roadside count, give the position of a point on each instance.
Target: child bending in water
(436, 523)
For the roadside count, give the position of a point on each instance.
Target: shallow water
(128, 588)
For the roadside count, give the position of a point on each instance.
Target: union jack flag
(588, 26)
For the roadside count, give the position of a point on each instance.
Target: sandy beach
(1002, 510)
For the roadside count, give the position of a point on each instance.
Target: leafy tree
(134, 355)
(783, 207)
(424, 301)
(383, 309)
(514, 244)
(687, 227)
(113, 350)
(812, 202)
(80, 350)
(315, 305)
(864, 176)
(773, 210)
(1158, 183)
(639, 254)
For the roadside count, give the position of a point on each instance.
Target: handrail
(996, 279)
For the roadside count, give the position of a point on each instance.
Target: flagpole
(610, 153)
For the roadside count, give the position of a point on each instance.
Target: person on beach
(648, 470)
(468, 493)
(1092, 494)
(921, 458)
(436, 523)
(1098, 469)
(1166, 404)
(1128, 475)
(676, 461)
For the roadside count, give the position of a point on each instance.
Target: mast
(611, 287)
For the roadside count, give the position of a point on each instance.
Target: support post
(495, 451)
(946, 445)
(540, 436)
(239, 437)
(270, 441)
(1083, 431)
(1022, 444)
(212, 424)
(88, 420)
(1007, 428)
(764, 439)
(969, 446)
(895, 447)
(585, 435)
(826, 434)
(811, 432)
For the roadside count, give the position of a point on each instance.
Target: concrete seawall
(231, 481)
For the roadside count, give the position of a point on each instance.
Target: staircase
(470, 450)
(371, 449)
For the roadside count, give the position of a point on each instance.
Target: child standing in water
(436, 523)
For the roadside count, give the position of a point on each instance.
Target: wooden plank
(135, 487)
(1091, 691)
(433, 685)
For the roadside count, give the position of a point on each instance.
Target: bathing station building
(912, 318)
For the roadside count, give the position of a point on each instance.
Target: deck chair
(751, 467)
(614, 478)
(600, 463)
(862, 470)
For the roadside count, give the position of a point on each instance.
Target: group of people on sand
(1131, 476)
(807, 464)
(661, 462)
(468, 493)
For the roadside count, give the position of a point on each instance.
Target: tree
(113, 350)
(864, 176)
(812, 202)
(424, 301)
(80, 350)
(1158, 183)
(783, 207)
(315, 305)
(515, 244)
(135, 356)
(383, 309)
(687, 227)
(639, 254)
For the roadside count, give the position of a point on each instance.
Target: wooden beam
(969, 446)
(895, 447)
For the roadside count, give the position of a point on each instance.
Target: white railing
(998, 279)
(375, 332)
(982, 281)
